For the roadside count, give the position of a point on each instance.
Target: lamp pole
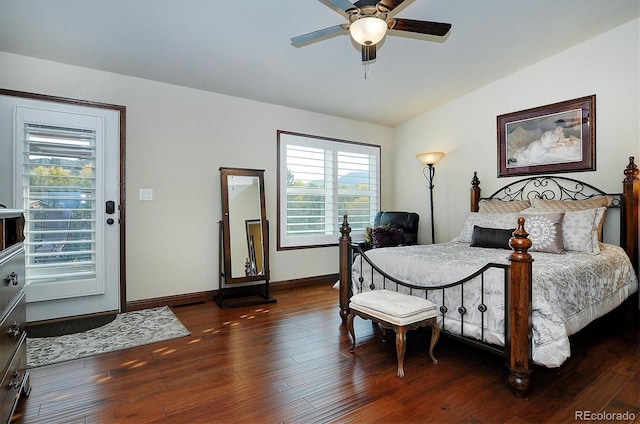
(429, 178)
(429, 160)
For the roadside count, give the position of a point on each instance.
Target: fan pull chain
(366, 60)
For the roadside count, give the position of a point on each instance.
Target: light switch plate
(146, 194)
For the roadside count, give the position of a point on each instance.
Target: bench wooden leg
(401, 343)
(435, 335)
(401, 336)
(350, 318)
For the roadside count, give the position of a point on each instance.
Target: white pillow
(580, 230)
(505, 221)
(574, 205)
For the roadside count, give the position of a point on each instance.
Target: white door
(66, 179)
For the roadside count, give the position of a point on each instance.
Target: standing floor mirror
(244, 239)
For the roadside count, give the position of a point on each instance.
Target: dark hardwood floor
(288, 363)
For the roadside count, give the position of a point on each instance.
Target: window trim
(281, 185)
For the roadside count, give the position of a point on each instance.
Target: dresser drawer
(11, 275)
(12, 328)
(12, 382)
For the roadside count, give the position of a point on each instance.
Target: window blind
(320, 181)
(59, 197)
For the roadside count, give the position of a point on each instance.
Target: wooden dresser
(13, 313)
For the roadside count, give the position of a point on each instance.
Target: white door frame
(119, 182)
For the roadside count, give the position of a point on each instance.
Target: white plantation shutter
(320, 181)
(58, 175)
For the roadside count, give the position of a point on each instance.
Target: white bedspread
(569, 289)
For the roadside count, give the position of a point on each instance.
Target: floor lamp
(429, 160)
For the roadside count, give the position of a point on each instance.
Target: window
(320, 180)
(58, 184)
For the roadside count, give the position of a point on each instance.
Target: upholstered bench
(397, 311)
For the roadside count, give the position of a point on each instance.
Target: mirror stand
(244, 240)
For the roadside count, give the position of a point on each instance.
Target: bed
(526, 301)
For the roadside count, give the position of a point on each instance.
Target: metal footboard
(377, 279)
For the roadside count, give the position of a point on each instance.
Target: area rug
(129, 329)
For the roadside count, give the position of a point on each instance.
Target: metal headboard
(551, 188)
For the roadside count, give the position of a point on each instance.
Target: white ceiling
(241, 47)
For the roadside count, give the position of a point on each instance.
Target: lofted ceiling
(242, 47)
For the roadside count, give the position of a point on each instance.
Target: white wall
(177, 139)
(465, 129)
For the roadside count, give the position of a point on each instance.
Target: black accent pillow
(387, 236)
(494, 238)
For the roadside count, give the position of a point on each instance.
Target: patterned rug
(130, 329)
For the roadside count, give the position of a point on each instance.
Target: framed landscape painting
(559, 137)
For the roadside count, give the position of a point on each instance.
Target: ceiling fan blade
(390, 4)
(368, 53)
(341, 4)
(310, 37)
(422, 27)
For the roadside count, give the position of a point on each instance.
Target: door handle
(110, 207)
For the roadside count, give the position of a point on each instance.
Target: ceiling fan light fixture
(368, 31)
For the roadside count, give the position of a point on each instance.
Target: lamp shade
(430, 158)
(368, 31)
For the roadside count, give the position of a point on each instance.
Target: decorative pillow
(386, 236)
(580, 230)
(498, 206)
(503, 221)
(574, 205)
(545, 231)
(600, 221)
(494, 238)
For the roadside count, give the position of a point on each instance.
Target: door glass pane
(59, 192)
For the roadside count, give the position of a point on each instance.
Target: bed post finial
(631, 171)
(518, 337)
(475, 182)
(520, 243)
(345, 265)
(475, 192)
(345, 229)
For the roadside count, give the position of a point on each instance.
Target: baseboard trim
(176, 300)
(201, 297)
(300, 282)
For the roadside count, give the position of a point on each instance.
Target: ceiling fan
(368, 24)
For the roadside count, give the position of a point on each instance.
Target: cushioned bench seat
(397, 311)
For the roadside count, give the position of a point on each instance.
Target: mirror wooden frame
(252, 287)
